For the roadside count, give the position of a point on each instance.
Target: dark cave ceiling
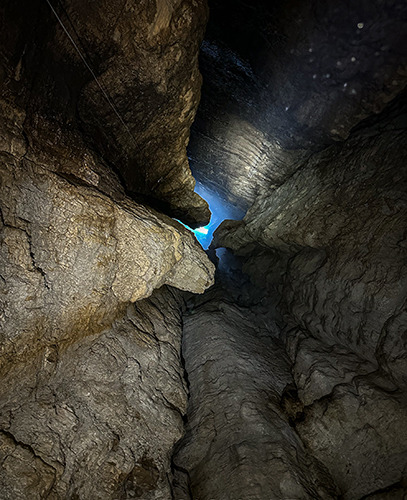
(285, 79)
(296, 357)
(281, 81)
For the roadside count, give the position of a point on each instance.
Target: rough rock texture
(138, 112)
(92, 389)
(97, 419)
(78, 397)
(297, 380)
(284, 79)
(359, 433)
(72, 258)
(330, 246)
(239, 443)
(342, 221)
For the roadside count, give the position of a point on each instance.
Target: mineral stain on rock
(142, 479)
(130, 367)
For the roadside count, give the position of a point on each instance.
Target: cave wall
(298, 377)
(239, 442)
(285, 79)
(298, 380)
(329, 246)
(340, 220)
(73, 257)
(93, 391)
(122, 77)
(98, 418)
(295, 361)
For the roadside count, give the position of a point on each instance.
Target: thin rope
(108, 99)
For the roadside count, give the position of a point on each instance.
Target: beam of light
(220, 208)
(201, 230)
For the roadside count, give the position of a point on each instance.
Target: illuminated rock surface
(92, 389)
(97, 417)
(291, 381)
(72, 256)
(333, 256)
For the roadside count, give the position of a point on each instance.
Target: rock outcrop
(72, 257)
(137, 105)
(79, 395)
(92, 390)
(239, 443)
(341, 222)
(329, 246)
(97, 417)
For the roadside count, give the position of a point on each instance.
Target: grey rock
(97, 417)
(92, 392)
(341, 221)
(239, 444)
(283, 81)
(72, 258)
(319, 367)
(296, 361)
(360, 435)
(328, 245)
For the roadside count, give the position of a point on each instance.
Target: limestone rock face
(137, 105)
(87, 409)
(92, 388)
(239, 443)
(365, 447)
(97, 417)
(72, 257)
(158, 97)
(295, 362)
(329, 246)
(283, 80)
(342, 219)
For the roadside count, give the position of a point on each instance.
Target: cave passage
(267, 362)
(221, 210)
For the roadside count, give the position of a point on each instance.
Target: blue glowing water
(221, 210)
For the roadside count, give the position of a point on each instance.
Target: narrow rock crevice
(136, 364)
